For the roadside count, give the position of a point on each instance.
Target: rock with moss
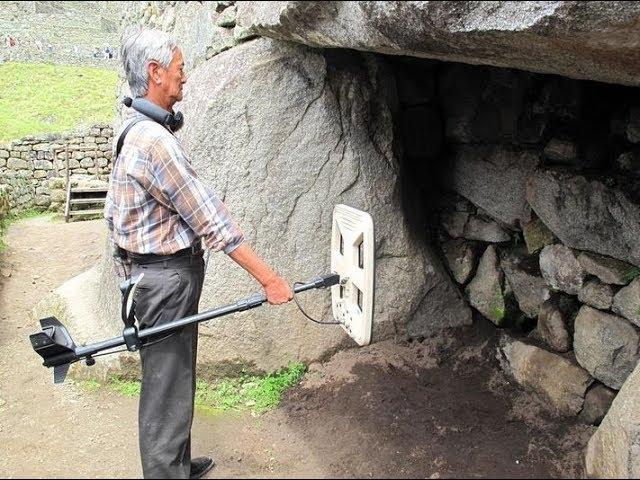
(607, 269)
(537, 235)
(486, 292)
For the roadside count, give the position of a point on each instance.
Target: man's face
(173, 78)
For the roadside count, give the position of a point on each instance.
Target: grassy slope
(45, 98)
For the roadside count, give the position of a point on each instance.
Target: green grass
(37, 98)
(127, 388)
(257, 394)
(90, 385)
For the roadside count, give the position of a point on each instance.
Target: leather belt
(143, 258)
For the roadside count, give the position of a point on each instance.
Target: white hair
(139, 47)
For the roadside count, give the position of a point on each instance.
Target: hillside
(59, 32)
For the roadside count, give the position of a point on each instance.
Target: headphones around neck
(172, 121)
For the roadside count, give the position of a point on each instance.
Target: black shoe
(200, 466)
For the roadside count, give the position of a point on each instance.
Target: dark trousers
(169, 290)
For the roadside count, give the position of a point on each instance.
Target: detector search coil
(353, 259)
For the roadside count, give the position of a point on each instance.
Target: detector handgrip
(258, 299)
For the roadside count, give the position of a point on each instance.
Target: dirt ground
(439, 408)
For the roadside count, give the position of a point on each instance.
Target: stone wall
(33, 170)
(528, 184)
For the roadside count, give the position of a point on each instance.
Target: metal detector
(351, 280)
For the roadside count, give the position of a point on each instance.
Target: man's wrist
(270, 277)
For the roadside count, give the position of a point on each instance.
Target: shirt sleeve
(170, 176)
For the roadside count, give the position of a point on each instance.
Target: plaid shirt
(156, 203)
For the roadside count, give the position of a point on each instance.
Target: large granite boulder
(283, 133)
(202, 29)
(614, 450)
(586, 214)
(588, 40)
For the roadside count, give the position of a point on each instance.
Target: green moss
(256, 393)
(249, 392)
(498, 313)
(631, 274)
(128, 388)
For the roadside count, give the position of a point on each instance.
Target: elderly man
(158, 213)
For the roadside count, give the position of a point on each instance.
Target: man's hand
(278, 291)
(276, 288)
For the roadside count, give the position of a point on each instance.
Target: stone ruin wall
(528, 185)
(33, 169)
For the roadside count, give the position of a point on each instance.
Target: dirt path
(437, 409)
